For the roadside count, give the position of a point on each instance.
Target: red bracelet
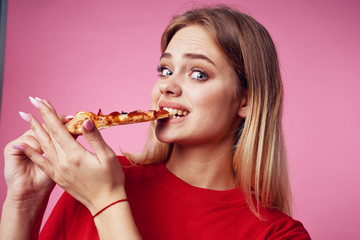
(121, 200)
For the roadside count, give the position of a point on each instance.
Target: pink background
(83, 55)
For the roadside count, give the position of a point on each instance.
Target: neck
(207, 166)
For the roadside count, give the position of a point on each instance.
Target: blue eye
(197, 74)
(164, 71)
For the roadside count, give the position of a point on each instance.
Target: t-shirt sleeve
(56, 223)
(285, 229)
(69, 220)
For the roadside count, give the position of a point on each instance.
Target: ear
(243, 108)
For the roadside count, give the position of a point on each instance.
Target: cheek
(218, 108)
(211, 99)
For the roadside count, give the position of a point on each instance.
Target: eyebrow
(191, 56)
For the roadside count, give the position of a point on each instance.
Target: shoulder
(280, 226)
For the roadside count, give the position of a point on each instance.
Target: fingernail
(44, 155)
(34, 102)
(69, 117)
(18, 147)
(25, 116)
(40, 100)
(88, 125)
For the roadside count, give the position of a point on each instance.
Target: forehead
(194, 39)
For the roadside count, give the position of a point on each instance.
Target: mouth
(176, 113)
(175, 110)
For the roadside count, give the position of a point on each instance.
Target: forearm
(20, 221)
(116, 222)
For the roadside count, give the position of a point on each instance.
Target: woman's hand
(27, 185)
(94, 179)
(28, 190)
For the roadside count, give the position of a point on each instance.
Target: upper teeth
(174, 112)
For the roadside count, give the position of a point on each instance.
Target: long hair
(259, 160)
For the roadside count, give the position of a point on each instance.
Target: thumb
(95, 140)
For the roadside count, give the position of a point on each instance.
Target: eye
(164, 71)
(198, 74)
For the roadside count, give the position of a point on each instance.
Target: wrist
(105, 200)
(32, 206)
(110, 205)
(21, 219)
(116, 222)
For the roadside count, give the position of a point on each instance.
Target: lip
(168, 104)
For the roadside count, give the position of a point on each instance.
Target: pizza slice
(102, 121)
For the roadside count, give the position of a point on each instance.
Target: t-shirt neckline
(182, 188)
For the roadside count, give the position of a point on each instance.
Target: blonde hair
(259, 160)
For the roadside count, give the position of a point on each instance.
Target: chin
(163, 137)
(164, 140)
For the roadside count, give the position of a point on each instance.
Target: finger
(14, 148)
(41, 136)
(52, 150)
(39, 159)
(56, 127)
(95, 140)
(66, 118)
(36, 102)
(43, 101)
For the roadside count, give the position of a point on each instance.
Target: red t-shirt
(165, 207)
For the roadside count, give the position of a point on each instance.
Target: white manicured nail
(25, 116)
(34, 102)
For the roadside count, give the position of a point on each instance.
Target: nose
(170, 87)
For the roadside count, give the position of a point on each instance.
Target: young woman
(215, 170)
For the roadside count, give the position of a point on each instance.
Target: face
(198, 86)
